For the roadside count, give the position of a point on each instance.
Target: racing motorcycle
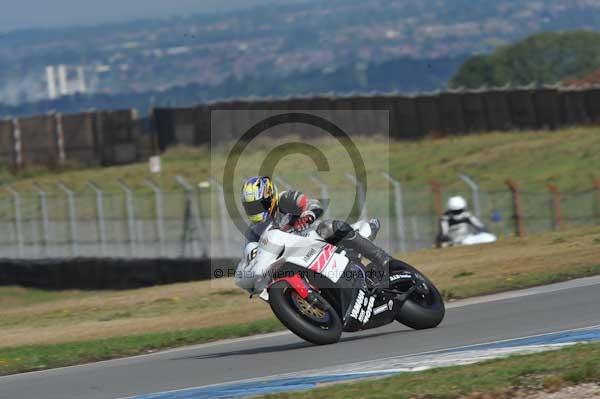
(481, 237)
(308, 283)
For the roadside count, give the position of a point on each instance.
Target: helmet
(259, 198)
(456, 204)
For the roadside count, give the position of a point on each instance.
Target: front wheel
(316, 323)
(425, 307)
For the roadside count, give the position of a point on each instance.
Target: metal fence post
(416, 232)
(45, 216)
(100, 216)
(556, 208)
(225, 236)
(517, 209)
(130, 215)
(195, 215)
(18, 148)
(18, 221)
(72, 217)
(60, 138)
(474, 193)
(158, 201)
(362, 201)
(325, 200)
(399, 211)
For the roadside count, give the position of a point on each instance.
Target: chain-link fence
(176, 222)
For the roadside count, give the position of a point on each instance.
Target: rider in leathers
(293, 210)
(457, 222)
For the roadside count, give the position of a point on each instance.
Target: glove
(305, 220)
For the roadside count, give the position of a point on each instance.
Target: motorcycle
(306, 277)
(481, 237)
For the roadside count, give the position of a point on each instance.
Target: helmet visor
(256, 207)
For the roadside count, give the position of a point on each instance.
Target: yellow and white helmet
(259, 198)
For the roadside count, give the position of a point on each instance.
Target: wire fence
(192, 222)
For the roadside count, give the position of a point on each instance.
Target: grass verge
(37, 357)
(569, 158)
(492, 379)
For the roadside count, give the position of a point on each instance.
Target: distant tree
(545, 58)
(475, 72)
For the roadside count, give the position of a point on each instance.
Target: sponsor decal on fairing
(400, 276)
(357, 304)
(369, 310)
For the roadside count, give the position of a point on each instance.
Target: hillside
(568, 158)
(545, 58)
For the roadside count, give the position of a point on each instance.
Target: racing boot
(377, 271)
(336, 231)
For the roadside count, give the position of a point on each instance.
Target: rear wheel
(425, 307)
(316, 323)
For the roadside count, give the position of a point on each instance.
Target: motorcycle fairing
(307, 251)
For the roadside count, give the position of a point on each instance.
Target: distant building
(592, 79)
(63, 80)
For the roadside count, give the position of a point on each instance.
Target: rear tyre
(319, 325)
(421, 310)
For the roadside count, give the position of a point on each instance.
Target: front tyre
(318, 324)
(424, 308)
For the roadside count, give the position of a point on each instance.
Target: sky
(26, 14)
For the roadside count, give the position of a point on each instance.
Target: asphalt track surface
(540, 310)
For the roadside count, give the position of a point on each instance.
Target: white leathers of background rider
(458, 232)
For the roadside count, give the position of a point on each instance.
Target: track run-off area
(523, 321)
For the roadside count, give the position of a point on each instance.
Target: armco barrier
(119, 139)
(474, 116)
(165, 122)
(429, 114)
(39, 141)
(547, 108)
(407, 124)
(573, 108)
(410, 117)
(384, 103)
(80, 138)
(451, 113)
(522, 109)
(98, 138)
(7, 143)
(592, 99)
(108, 273)
(498, 110)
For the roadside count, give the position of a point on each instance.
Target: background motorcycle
(481, 237)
